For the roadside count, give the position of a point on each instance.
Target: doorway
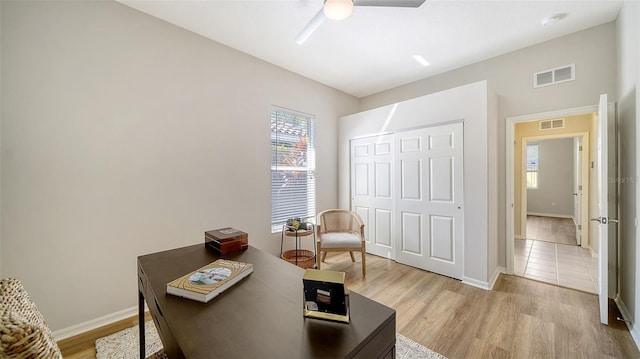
(603, 209)
(516, 219)
(554, 183)
(553, 244)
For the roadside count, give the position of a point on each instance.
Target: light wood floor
(551, 229)
(519, 318)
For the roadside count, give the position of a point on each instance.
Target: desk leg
(281, 240)
(141, 323)
(315, 244)
(296, 247)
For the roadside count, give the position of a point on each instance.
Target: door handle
(574, 194)
(605, 220)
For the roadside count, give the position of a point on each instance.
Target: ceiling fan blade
(315, 22)
(389, 3)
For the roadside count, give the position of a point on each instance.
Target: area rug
(124, 345)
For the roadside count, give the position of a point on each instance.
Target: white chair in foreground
(340, 230)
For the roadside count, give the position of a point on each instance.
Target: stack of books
(226, 240)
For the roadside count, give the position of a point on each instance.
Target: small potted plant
(294, 224)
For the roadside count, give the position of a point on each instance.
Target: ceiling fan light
(338, 9)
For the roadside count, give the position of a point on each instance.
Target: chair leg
(318, 254)
(353, 259)
(324, 256)
(364, 264)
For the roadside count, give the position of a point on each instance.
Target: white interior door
(371, 191)
(607, 203)
(428, 198)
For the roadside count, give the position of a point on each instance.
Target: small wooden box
(227, 247)
(226, 240)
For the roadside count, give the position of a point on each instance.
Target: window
(532, 166)
(293, 165)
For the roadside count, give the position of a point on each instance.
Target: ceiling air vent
(552, 124)
(554, 76)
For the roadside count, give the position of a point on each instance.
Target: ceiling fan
(341, 9)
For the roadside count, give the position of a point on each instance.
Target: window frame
(532, 167)
(292, 139)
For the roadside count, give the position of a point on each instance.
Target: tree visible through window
(532, 166)
(292, 166)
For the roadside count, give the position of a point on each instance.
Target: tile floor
(551, 229)
(565, 265)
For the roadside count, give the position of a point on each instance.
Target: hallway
(550, 255)
(551, 229)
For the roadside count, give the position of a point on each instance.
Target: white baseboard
(95, 323)
(485, 285)
(633, 328)
(554, 215)
(517, 236)
(495, 276)
(475, 283)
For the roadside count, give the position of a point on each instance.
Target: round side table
(298, 234)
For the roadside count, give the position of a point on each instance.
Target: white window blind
(293, 165)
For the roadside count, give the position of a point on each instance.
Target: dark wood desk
(259, 317)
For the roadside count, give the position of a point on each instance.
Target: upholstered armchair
(340, 230)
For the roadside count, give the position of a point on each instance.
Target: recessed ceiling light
(550, 20)
(421, 60)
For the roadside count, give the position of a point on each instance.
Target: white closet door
(372, 191)
(428, 212)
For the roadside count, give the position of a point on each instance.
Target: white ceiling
(372, 50)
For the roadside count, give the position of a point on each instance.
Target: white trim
(509, 205)
(554, 215)
(633, 328)
(510, 137)
(476, 283)
(576, 111)
(585, 179)
(437, 124)
(95, 323)
(496, 275)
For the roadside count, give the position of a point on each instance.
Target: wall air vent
(552, 124)
(554, 76)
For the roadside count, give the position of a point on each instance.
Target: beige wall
(628, 46)
(124, 135)
(573, 124)
(556, 179)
